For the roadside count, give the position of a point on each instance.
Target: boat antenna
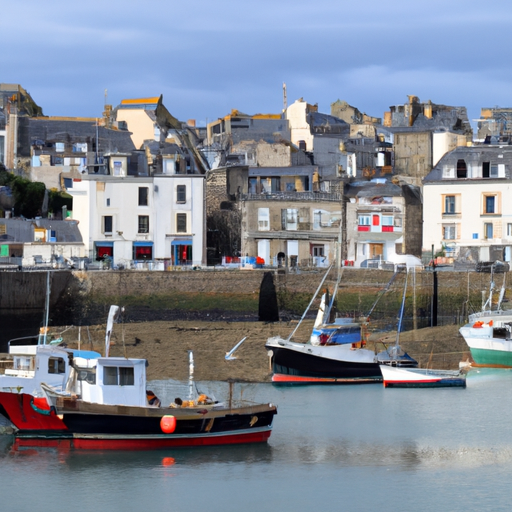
(402, 308)
(112, 317)
(190, 375)
(491, 290)
(502, 292)
(309, 305)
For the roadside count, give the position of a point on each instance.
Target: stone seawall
(83, 297)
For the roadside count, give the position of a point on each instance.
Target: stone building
(383, 220)
(423, 132)
(296, 229)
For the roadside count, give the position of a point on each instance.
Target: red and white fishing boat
(106, 407)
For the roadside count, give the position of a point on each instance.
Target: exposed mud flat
(166, 344)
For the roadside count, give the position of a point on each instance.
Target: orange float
(168, 424)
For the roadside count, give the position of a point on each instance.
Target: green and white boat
(488, 334)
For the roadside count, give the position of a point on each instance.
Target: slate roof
(372, 189)
(454, 119)
(58, 130)
(325, 124)
(472, 155)
(22, 230)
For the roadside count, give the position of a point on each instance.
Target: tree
(28, 197)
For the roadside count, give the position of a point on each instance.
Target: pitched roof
(22, 230)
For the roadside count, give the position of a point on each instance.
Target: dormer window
(490, 170)
(462, 171)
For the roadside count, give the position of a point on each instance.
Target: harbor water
(351, 448)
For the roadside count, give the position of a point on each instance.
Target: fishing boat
(106, 406)
(335, 352)
(396, 377)
(488, 332)
(37, 359)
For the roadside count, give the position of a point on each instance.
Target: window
(181, 223)
(107, 224)
(253, 185)
(143, 196)
(143, 224)
(263, 219)
(59, 147)
(110, 375)
(387, 220)
(448, 172)
(181, 194)
(289, 219)
(317, 219)
(488, 231)
(118, 376)
(108, 201)
(88, 375)
(490, 204)
(449, 204)
(126, 377)
(317, 250)
(462, 171)
(449, 232)
(143, 252)
(509, 229)
(56, 365)
(364, 220)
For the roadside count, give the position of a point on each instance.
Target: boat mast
(402, 308)
(309, 305)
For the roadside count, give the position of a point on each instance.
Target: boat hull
(83, 425)
(490, 344)
(421, 378)
(294, 367)
(142, 442)
(491, 358)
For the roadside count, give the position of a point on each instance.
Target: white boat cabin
(34, 364)
(110, 380)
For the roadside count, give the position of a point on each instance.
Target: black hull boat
(295, 363)
(104, 404)
(334, 354)
(75, 424)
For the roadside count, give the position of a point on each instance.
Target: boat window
(110, 375)
(23, 363)
(88, 376)
(56, 365)
(114, 376)
(126, 377)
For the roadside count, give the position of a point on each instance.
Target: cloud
(209, 57)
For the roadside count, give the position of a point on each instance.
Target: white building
(151, 222)
(467, 207)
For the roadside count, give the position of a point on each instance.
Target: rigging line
(309, 305)
(327, 314)
(381, 293)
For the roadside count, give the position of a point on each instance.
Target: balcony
(293, 196)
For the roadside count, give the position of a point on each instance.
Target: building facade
(467, 211)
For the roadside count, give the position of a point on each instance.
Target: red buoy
(168, 424)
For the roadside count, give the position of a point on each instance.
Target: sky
(209, 57)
